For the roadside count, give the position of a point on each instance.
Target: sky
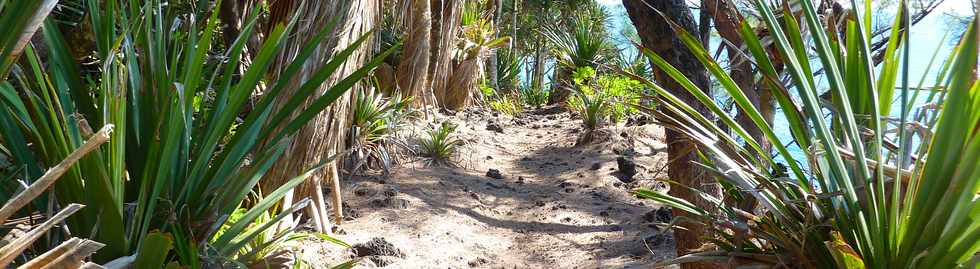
(609, 2)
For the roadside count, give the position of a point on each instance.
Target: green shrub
(172, 108)
(507, 105)
(374, 118)
(864, 203)
(270, 237)
(440, 145)
(533, 96)
(605, 98)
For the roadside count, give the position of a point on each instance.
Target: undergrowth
(440, 145)
(603, 98)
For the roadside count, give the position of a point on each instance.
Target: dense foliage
(871, 199)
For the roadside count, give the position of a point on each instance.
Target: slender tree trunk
(492, 65)
(446, 27)
(656, 35)
(324, 136)
(414, 69)
(513, 27)
(538, 75)
(727, 23)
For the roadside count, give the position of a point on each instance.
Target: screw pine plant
(867, 201)
(185, 152)
(441, 144)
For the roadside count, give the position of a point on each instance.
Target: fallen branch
(53, 174)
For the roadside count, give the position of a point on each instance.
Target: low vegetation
(440, 145)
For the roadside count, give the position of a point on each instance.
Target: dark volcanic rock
(493, 126)
(658, 239)
(349, 212)
(627, 167)
(390, 202)
(377, 247)
(478, 262)
(495, 174)
(596, 166)
(661, 215)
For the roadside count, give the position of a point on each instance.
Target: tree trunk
(492, 64)
(413, 69)
(445, 29)
(328, 129)
(656, 35)
(727, 22)
(537, 79)
(560, 81)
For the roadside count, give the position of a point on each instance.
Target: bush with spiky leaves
(871, 199)
(185, 151)
(375, 118)
(603, 98)
(440, 145)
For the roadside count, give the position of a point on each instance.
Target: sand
(554, 204)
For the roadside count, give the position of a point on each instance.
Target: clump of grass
(601, 99)
(507, 105)
(533, 96)
(440, 145)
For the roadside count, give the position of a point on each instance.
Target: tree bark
(492, 64)
(327, 130)
(445, 27)
(657, 35)
(727, 23)
(414, 69)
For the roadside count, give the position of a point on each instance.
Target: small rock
(389, 193)
(627, 167)
(381, 261)
(596, 166)
(520, 180)
(603, 213)
(659, 215)
(495, 174)
(567, 219)
(362, 191)
(349, 212)
(493, 126)
(478, 262)
(390, 202)
(377, 247)
(657, 239)
(539, 203)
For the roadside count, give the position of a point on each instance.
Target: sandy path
(557, 206)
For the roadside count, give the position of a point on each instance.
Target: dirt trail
(554, 205)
